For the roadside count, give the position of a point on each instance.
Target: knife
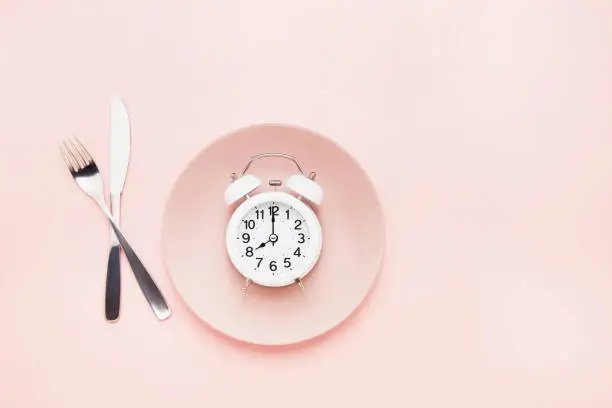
(119, 160)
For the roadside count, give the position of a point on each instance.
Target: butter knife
(119, 161)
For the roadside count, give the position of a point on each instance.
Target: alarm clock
(274, 237)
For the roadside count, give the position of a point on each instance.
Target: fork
(86, 174)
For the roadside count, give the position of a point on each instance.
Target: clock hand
(263, 244)
(273, 220)
(273, 238)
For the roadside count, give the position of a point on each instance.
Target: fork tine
(62, 151)
(83, 151)
(76, 155)
(68, 157)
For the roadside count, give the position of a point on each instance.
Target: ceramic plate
(196, 218)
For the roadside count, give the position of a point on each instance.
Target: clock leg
(300, 284)
(247, 283)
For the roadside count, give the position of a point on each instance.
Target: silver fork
(88, 177)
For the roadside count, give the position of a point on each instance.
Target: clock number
(249, 251)
(298, 224)
(246, 238)
(260, 214)
(273, 266)
(274, 210)
(259, 261)
(287, 212)
(287, 263)
(302, 238)
(249, 224)
(297, 252)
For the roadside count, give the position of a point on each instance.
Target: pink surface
(485, 127)
(196, 218)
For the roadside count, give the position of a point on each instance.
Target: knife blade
(119, 160)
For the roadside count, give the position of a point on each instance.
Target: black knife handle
(113, 284)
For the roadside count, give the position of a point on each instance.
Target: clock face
(274, 239)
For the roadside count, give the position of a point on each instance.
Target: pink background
(485, 126)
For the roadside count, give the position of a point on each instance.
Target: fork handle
(145, 281)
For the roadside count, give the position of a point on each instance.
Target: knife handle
(113, 270)
(113, 284)
(145, 281)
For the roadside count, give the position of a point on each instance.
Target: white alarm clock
(274, 238)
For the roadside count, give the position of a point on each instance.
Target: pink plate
(193, 238)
